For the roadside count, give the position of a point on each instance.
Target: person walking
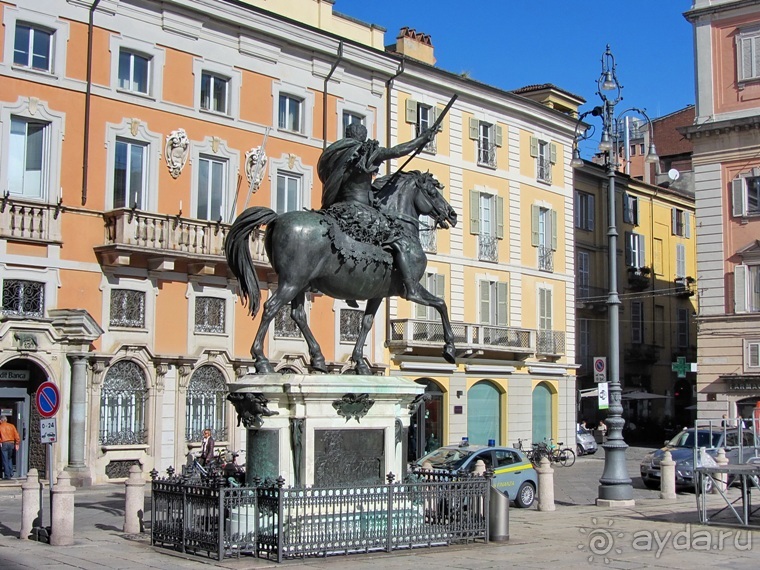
(9, 440)
(207, 448)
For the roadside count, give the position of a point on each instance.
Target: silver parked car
(585, 442)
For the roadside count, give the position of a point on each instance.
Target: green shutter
(421, 311)
(687, 224)
(485, 306)
(626, 208)
(534, 147)
(499, 217)
(554, 230)
(474, 212)
(503, 304)
(411, 111)
(628, 252)
(673, 221)
(740, 289)
(534, 213)
(553, 158)
(498, 137)
(642, 252)
(474, 127)
(440, 286)
(434, 114)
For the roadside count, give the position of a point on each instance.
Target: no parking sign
(48, 399)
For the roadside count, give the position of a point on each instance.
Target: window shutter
(627, 209)
(440, 285)
(474, 212)
(485, 308)
(498, 135)
(499, 217)
(642, 251)
(680, 260)
(502, 304)
(628, 252)
(674, 221)
(554, 230)
(434, 114)
(686, 224)
(740, 288)
(635, 211)
(533, 147)
(553, 158)
(474, 125)
(534, 213)
(411, 111)
(590, 213)
(738, 197)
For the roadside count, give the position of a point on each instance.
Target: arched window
(484, 413)
(206, 404)
(122, 405)
(542, 413)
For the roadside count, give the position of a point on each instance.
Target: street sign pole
(48, 400)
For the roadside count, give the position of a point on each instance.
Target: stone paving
(651, 534)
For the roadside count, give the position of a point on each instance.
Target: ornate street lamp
(615, 485)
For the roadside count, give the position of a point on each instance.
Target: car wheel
(580, 450)
(651, 484)
(525, 495)
(708, 486)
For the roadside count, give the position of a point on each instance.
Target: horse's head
(430, 201)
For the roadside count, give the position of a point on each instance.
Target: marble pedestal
(326, 429)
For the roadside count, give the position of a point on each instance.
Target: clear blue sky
(513, 43)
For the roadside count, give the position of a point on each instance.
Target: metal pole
(50, 481)
(615, 484)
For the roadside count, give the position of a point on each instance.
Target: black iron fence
(269, 520)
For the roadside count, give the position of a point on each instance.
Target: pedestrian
(9, 439)
(724, 422)
(207, 448)
(740, 422)
(602, 428)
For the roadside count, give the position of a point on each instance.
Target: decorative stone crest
(250, 408)
(176, 152)
(25, 341)
(255, 161)
(353, 406)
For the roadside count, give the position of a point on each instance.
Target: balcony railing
(684, 286)
(428, 240)
(417, 333)
(27, 220)
(550, 342)
(545, 258)
(639, 278)
(129, 232)
(587, 297)
(544, 170)
(488, 248)
(487, 155)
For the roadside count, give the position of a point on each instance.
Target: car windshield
(686, 439)
(447, 458)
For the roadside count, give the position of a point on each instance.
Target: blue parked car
(514, 474)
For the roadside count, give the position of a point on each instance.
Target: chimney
(415, 45)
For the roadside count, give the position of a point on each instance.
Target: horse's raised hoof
(319, 365)
(264, 367)
(449, 353)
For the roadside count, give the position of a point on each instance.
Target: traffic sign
(600, 369)
(48, 399)
(48, 431)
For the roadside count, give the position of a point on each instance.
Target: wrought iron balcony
(684, 286)
(642, 353)
(428, 240)
(29, 220)
(545, 258)
(415, 334)
(544, 170)
(591, 298)
(639, 278)
(488, 248)
(487, 155)
(158, 240)
(550, 343)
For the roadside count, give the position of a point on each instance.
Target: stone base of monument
(325, 430)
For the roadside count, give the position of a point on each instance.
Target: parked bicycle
(562, 455)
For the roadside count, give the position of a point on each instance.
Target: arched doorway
(542, 413)
(20, 379)
(426, 424)
(484, 413)
(748, 409)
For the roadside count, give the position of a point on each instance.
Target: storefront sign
(14, 375)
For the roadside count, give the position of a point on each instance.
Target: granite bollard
(134, 499)
(30, 503)
(62, 532)
(668, 477)
(545, 485)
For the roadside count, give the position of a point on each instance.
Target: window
(633, 150)
(583, 274)
(426, 116)
(544, 235)
(427, 234)
(134, 72)
(288, 192)
(212, 179)
(206, 404)
(657, 267)
(637, 322)
(130, 169)
(487, 222)
(488, 137)
(753, 355)
(127, 308)
(214, 93)
(745, 196)
(350, 324)
(23, 298)
(680, 223)
(122, 405)
(634, 250)
(547, 341)
(682, 328)
(584, 345)
(33, 47)
(680, 261)
(747, 289)
(748, 54)
(28, 151)
(494, 303)
(436, 284)
(545, 154)
(350, 118)
(284, 325)
(584, 211)
(289, 115)
(209, 315)
(630, 209)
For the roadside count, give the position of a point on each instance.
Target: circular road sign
(48, 399)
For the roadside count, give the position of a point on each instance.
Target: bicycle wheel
(567, 458)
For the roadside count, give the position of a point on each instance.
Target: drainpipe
(324, 95)
(388, 103)
(87, 98)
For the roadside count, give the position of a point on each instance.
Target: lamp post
(615, 485)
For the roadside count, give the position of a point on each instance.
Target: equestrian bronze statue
(362, 245)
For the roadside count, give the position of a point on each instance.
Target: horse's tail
(238, 252)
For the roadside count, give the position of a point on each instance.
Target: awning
(639, 395)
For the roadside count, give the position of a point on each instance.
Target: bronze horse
(305, 258)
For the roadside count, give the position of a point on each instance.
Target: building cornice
(720, 128)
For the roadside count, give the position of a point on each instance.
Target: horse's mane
(387, 185)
